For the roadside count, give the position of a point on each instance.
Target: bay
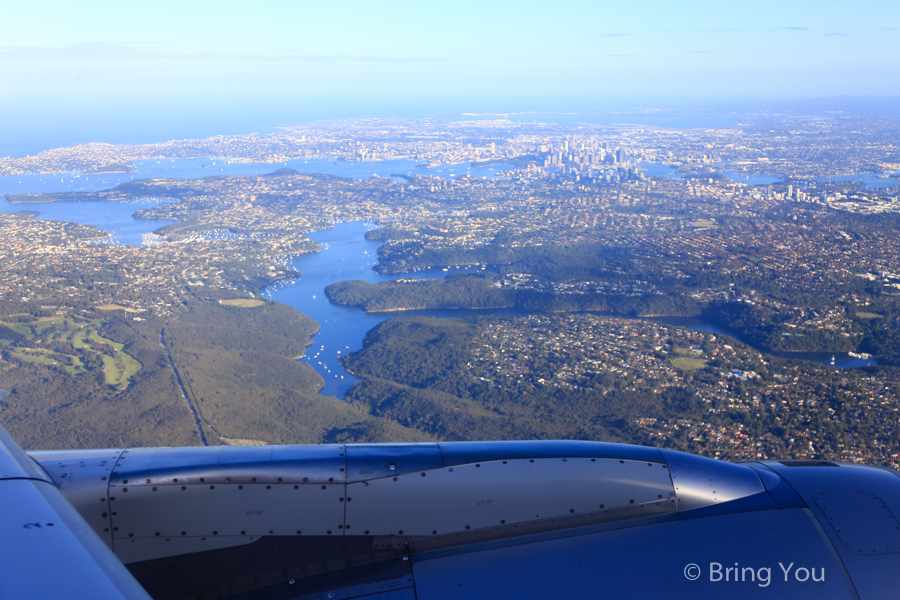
(116, 217)
(347, 255)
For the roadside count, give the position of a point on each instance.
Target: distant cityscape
(779, 230)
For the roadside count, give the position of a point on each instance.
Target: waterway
(116, 217)
(346, 255)
(842, 360)
(869, 179)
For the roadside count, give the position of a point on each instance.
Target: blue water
(346, 255)
(658, 170)
(871, 181)
(751, 179)
(842, 360)
(116, 218)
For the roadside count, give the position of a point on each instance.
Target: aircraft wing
(533, 519)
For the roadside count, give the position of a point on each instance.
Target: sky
(82, 63)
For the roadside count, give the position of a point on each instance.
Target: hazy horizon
(140, 72)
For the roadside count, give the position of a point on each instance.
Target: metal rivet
(395, 479)
(531, 460)
(296, 487)
(104, 515)
(202, 480)
(503, 521)
(279, 480)
(504, 462)
(154, 489)
(157, 534)
(174, 481)
(215, 533)
(323, 487)
(349, 499)
(147, 481)
(183, 533)
(212, 487)
(467, 527)
(392, 466)
(329, 532)
(593, 460)
(631, 502)
(423, 474)
(340, 499)
(240, 487)
(565, 460)
(602, 505)
(477, 465)
(432, 533)
(291, 582)
(305, 479)
(298, 533)
(124, 490)
(659, 495)
(367, 532)
(622, 461)
(228, 480)
(253, 480)
(342, 469)
(450, 469)
(124, 481)
(130, 535)
(401, 532)
(340, 526)
(331, 480)
(183, 488)
(243, 532)
(268, 487)
(571, 510)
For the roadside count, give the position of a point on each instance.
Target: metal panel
(82, 477)
(226, 464)
(861, 520)
(226, 510)
(134, 550)
(370, 461)
(460, 453)
(645, 562)
(874, 575)
(374, 590)
(500, 492)
(778, 489)
(48, 551)
(703, 481)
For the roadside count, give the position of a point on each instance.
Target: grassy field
(242, 302)
(83, 334)
(688, 364)
(869, 315)
(704, 223)
(114, 307)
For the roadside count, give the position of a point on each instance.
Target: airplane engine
(473, 519)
